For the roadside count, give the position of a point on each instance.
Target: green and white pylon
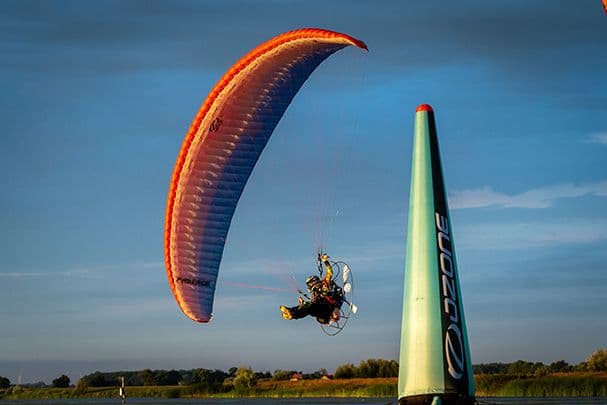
(435, 365)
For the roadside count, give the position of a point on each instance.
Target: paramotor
(220, 150)
(343, 294)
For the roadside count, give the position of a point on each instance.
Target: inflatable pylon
(435, 365)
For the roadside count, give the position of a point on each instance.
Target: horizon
(98, 98)
(227, 369)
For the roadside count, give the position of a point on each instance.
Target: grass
(93, 392)
(356, 387)
(554, 385)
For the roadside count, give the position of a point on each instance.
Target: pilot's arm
(324, 258)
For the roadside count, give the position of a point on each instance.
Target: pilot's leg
(321, 311)
(298, 312)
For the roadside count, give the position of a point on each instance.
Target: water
(301, 401)
(544, 401)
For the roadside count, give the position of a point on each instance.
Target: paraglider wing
(605, 6)
(220, 150)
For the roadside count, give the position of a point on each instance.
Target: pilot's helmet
(312, 280)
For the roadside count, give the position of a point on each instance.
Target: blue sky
(96, 99)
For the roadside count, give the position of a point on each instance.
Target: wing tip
(200, 319)
(350, 40)
(204, 318)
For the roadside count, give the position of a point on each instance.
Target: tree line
(62, 381)
(596, 362)
(214, 380)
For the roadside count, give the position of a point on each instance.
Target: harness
(324, 291)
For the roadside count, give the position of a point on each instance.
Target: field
(358, 387)
(554, 385)
(355, 387)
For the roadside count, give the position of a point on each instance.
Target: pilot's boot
(286, 313)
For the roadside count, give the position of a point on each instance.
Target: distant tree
(201, 376)
(560, 366)
(82, 387)
(218, 376)
(37, 384)
(262, 375)
(387, 368)
(148, 377)
(540, 370)
(282, 375)
(62, 381)
(187, 377)
(345, 371)
(205, 381)
(228, 384)
(131, 378)
(4, 382)
(315, 375)
(524, 368)
(244, 378)
(96, 379)
(208, 378)
(490, 368)
(597, 361)
(367, 369)
(163, 377)
(371, 368)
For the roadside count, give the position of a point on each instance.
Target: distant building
(296, 377)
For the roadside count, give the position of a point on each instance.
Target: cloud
(543, 197)
(120, 36)
(83, 271)
(43, 274)
(78, 40)
(523, 235)
(600, 138)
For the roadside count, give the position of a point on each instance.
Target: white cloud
(542, 197)
(42, 274)
(83, 271)
(513, 236)
(600, 138)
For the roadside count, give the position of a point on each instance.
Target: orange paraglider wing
(219, 151)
